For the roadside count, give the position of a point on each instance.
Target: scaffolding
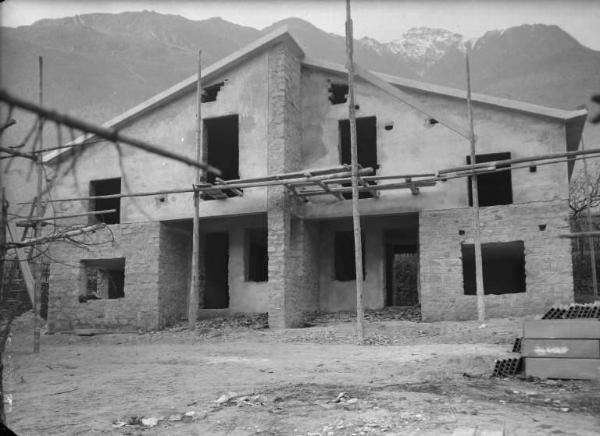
(303, 185)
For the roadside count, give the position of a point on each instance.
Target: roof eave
(415, 85)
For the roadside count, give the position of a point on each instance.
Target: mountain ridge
(98, 65)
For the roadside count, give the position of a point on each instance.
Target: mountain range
(98, 65)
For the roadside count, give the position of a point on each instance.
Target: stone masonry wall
(283, 155)
(548, 268)
(174, 275)
(138, 310)
(302, 297)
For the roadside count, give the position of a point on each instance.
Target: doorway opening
(216, 262)
(401, 275)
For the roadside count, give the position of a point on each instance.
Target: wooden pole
(194, 296)
(590, 224)
(37, 228)
(49, 238)
(3, 221)
(360, 313)
(475, 195)
(22, 260)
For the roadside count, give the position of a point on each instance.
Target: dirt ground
(231, 379)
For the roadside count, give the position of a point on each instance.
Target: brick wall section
(139, 244)
(284, 147)
(174, 275)
(548, 265)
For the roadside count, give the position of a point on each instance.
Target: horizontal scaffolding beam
(297, 180)
(580, 235)
(476, 166)
(105, 197)
(109, 134)
(411, 185)
(291, 175)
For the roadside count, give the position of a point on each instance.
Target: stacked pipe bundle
(517, 345)
(573, 311)
(507, 367)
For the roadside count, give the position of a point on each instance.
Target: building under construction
(284, 245)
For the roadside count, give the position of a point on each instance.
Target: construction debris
(252, 321)
(234, 399)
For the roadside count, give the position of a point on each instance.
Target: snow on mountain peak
(426, 44)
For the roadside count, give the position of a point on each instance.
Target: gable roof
(559, 114)
(214, 70)
(574, 119)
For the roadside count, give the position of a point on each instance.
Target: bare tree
(580, 190)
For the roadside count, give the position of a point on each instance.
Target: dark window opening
(503, 267)
(345, 265)
(222, 149)
(216, 271)
(366, 147)
(104, 279)
(210, 92)
(338, 93)
(257, 258)
(105, 187)
(494, 188)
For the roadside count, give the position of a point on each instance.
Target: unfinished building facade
(270, 109)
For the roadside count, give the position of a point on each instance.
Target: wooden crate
(565, 348)
(549, 367)
(561, 348)
(562, 329)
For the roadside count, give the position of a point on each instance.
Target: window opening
(210, 93)
(104, 279)
(494, 188)
(338, 93)
(366, 144)
(503, 267)
(222, 149)
(105, 187)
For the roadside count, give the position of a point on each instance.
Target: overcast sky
(382, 20)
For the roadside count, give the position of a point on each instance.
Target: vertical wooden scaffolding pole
(475, 196)
(590, 238)
(360, 312)
(193, 300)
(37, 229)
(3, 221)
